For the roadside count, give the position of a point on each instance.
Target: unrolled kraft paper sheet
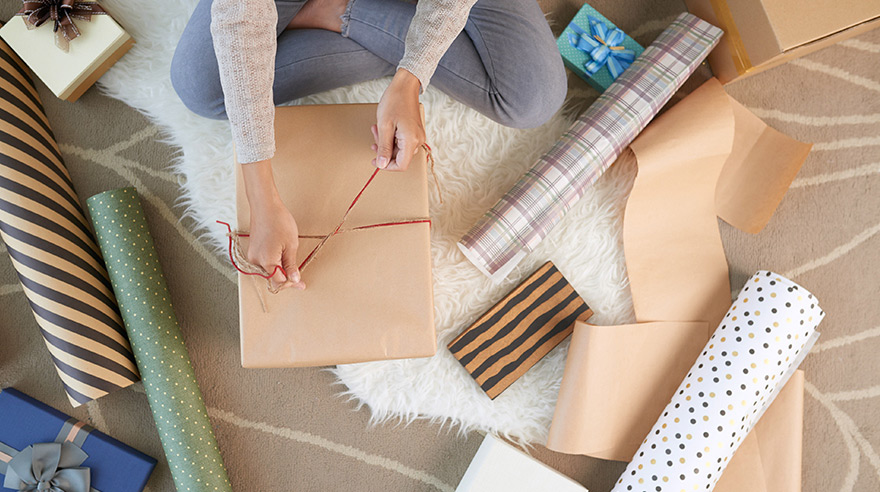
(705, 157)
(169, 381)
(521, 219)
(52, 247)
(760, 343)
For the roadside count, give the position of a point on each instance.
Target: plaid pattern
(527, 213)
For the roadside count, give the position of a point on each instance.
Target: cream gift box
(499, 467)
(68, 74)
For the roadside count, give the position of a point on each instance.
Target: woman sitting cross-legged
(238, 58)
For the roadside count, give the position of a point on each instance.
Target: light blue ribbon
(603, 46)
(48, 467)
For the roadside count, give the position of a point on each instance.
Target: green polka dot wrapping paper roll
(759, 345)
(169, 381)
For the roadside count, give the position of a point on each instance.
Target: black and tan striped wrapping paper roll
(53, 249)
(519, 330)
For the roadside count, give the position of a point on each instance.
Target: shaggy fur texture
(476, 162)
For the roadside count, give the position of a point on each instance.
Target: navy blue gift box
(112, 466)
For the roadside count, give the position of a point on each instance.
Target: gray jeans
(504, 64)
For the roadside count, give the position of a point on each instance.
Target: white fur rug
(476, 161)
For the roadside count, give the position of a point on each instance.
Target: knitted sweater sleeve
(433, 28)
(244, 37)
(244, 41)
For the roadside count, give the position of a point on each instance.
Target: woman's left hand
(399, 131)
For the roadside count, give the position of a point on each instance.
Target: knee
(197, 83)
(535, 98)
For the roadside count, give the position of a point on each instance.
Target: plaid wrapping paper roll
(518, 222)
(52, 247)
(759, 345)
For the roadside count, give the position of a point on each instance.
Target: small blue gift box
(72, 455)
(595, 49)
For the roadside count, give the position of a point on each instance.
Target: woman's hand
(274, 237)
(399, 131)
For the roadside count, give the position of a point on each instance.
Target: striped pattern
(521, 329)
(52, 248)
(527, 213)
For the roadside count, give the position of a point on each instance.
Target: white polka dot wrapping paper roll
(169, 381)
(761, 341)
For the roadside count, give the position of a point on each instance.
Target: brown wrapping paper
(597, 359)
(705, 157)
(369, 294)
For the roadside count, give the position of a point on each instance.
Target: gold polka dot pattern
(169, 381)
(762, 340)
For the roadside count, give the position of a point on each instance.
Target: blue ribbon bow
(49, 467)
(604, 47)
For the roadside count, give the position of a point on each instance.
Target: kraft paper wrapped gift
(595, 49)
(24, 422)
(762, 34)
(68, 74)
(499, 467)
(369, 292)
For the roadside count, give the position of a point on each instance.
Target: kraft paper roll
(521, 219)
(762, 339)
(169, 381)
(706, 157)
(52, 247)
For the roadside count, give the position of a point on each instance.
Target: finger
(268, 262)
(375, 147)
(288, 261)
(385, 141)
(408, 144)
(404, 156)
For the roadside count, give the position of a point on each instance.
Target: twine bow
(61, 13)
(603, 46)
(49, 467)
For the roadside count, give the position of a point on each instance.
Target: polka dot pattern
(762, 340)
(169, 381)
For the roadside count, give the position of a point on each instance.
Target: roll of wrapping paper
(52, 248)
(169, 380)
(521, 219)
(762, 339)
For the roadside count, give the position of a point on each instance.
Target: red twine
(338, 230)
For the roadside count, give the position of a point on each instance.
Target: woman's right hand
(274, 236)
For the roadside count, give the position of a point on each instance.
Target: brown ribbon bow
(62, 13)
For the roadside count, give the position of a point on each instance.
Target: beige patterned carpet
(300, 436)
